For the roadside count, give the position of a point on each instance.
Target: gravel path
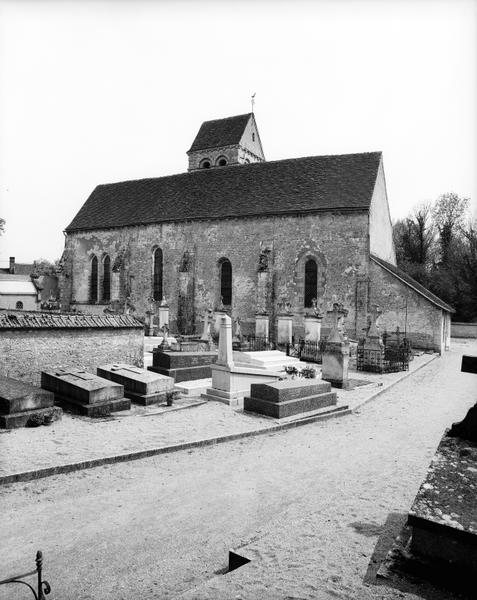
(75, 439)
(313, 506)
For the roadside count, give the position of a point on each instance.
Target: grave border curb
(105, 460)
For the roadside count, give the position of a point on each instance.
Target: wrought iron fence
(42, 587)
(307, 351)
(252, 343)
(385, 360)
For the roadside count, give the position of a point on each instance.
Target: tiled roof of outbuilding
(66, 321)
(412, 283)
(297, 185)
(220, 132)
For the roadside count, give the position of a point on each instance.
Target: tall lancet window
(157, 272)
(93, 283)
(106, 295)
(226, 281)
(311, 282)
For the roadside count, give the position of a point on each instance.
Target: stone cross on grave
(165, 333)
(75, 373)
(338, 313)
(126, 368)
(373, 331)
(207, 321)
(237, 337)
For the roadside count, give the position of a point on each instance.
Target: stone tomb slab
(85, 393)
(140, 385)
(443, 516)
(183, 366)
(289, 397)
(21, 403)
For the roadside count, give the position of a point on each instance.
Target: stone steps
(192, 388)
(269, 360)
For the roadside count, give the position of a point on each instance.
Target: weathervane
(253, 100)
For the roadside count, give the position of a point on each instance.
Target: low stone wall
(49, 342)
(464, 330)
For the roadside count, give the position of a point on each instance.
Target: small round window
(205, 164)
(222, 162)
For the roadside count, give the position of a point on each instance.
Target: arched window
(221, 161)
(205, 164)
(226, 281)
(93, 288)
(19, 305)
(106, 295)
(157, 291)
(311, 282)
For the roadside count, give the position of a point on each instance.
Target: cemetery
(256, 384)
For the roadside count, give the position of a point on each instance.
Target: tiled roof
(298, 185)
(220, 132)
(66, 321)
(405, 278)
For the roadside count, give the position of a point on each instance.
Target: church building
(248, 233)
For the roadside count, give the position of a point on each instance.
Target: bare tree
(424, 230)
(2, 226)
(449, 214)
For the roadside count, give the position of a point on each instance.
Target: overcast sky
(102, 91)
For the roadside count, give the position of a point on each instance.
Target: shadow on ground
(404, 575)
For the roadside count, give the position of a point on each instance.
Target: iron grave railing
(307, 351)
(42, 587)
(385, 360)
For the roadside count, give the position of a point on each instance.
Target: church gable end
(380, 226)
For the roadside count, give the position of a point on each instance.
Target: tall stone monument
(336, 352)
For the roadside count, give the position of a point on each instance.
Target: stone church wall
(424, 319)
(337, 241)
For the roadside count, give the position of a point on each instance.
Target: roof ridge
(418, 287)
(239, 165)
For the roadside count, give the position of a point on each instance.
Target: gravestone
(230, 381)
(262, 326)
(335, 358)
(140, 385)
(225, 353)
(163, 313)
(85, 393)
(289, 397)
(313, 324)
(372, 348)
(284, 323)
(206, 336)
(182, 366)
(22, 404)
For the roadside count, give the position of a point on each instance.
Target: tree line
(436, 244)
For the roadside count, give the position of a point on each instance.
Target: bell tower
(226, 142)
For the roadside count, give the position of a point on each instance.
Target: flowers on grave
(291, 371)
(307, 372)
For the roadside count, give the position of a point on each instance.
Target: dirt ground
(315, 508)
